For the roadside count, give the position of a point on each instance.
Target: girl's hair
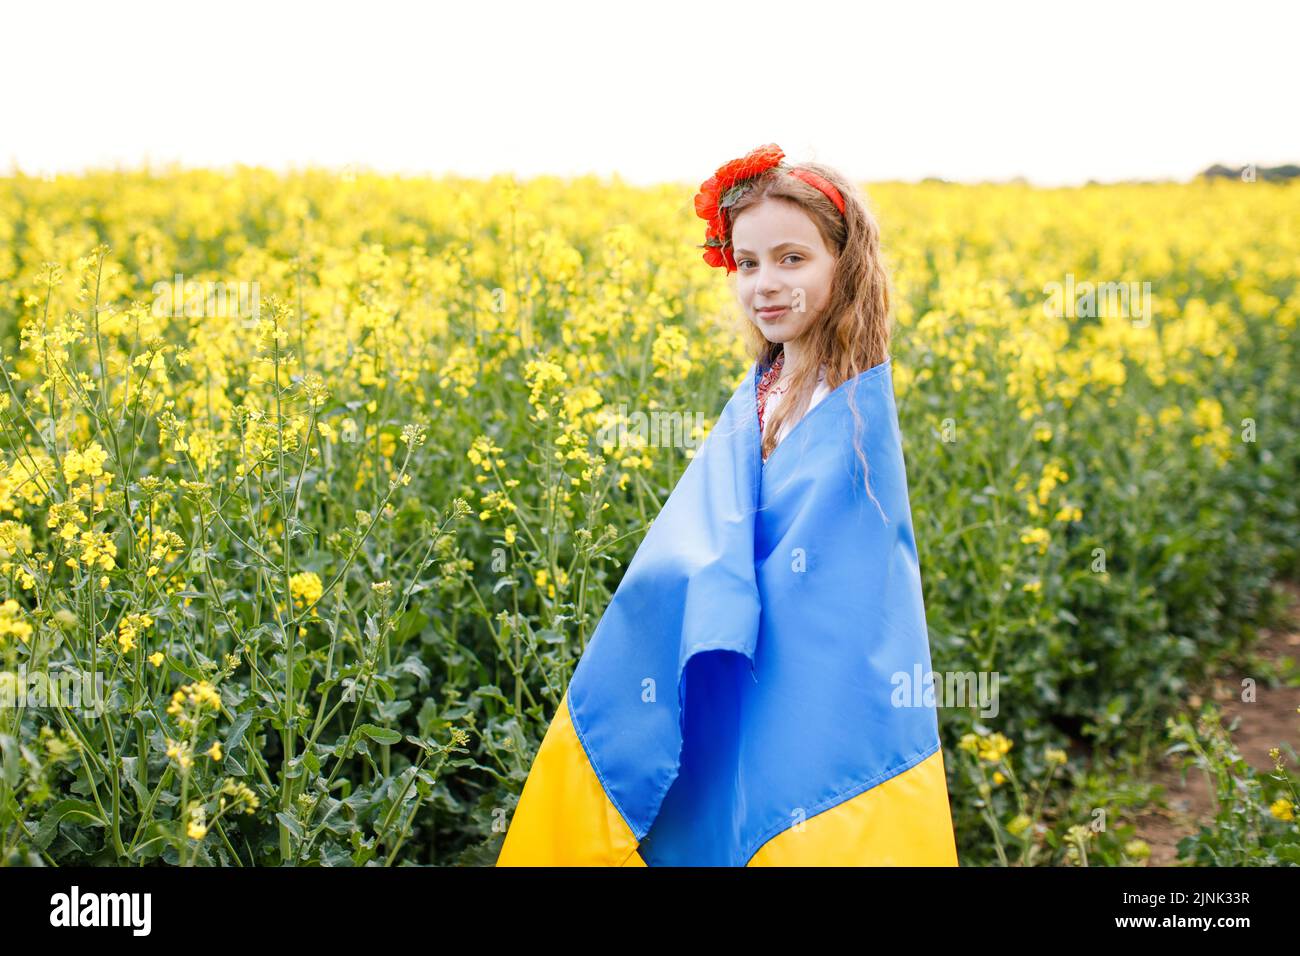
(852, 333)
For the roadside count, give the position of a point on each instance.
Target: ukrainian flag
(748, 696)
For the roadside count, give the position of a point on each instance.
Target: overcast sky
(656, 91)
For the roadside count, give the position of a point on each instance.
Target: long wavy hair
(852, 333)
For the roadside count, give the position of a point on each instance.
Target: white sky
(655, 91)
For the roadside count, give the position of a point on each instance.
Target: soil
(1269, 721)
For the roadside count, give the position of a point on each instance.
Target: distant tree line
(1267, 174)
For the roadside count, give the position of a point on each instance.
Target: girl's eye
(740, 263)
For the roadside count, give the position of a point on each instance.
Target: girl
(756, 691)
(806, 252)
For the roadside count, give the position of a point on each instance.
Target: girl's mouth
(771, 314)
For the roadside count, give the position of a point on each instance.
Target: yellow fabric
(563, 817)
(904, 821)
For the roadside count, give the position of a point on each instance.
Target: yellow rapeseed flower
(1036, 536)
(11, 622)
(994, 747)
(306, 588)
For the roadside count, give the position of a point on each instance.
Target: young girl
(758, 691)
(806, 253)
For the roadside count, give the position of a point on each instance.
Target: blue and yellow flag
(748, 696)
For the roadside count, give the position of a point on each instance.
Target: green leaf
(1288, 853)
(9, 757)
(380, 735)
(185, 669)
(81, 810)
(236, 734)
(489, 690)
(156, 839)
(730, 197)
(290, 824)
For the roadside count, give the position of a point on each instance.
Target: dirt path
(1267, 722)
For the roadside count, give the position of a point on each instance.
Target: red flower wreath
(720, 191)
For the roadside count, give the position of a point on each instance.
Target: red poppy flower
(715, 253)
(708, 201)
(755, 162)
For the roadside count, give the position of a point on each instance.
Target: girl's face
(783, 268)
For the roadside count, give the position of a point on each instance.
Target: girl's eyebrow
(779, 245)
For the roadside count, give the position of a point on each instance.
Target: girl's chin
(776, 334)
(783, 330)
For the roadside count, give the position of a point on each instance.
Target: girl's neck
(793, 356)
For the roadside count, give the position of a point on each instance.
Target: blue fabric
(745, 673)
